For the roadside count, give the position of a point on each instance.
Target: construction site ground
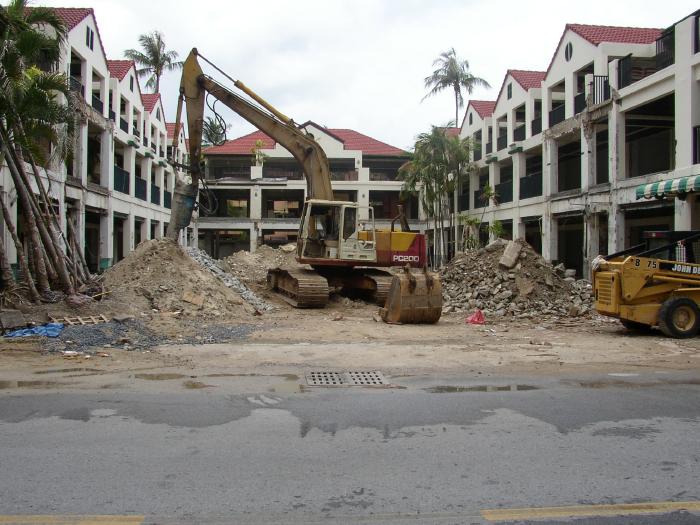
(173, 319)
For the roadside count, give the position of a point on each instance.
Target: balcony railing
(155, 194)
(279, 173)
(140, 188)
(696, 145)
(477, 152)
(536, 125)
(123, 125)
(112, 115)
(665, 50)
(557, 115)
(463, 202)
(502, 141)
(76, 86)
(162, 153)
(145, 141)
(97, 103)
(167, 199)
(121, 180)
(479, 201)
(531, 186)
(489, 147)
(136, 132)
(601, 89)
(383, 175)
(504, 191)
(579, 103)
(519, 133)
(153, 147)
(348, 175)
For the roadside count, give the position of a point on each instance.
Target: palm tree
(214, 131)
(154, 59)
(453, 73)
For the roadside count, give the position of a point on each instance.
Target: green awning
(669, 188)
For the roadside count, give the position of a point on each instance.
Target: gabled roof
(452, 132)
(623, 35)
(596, 35)
(526, 79)
(351, 139)
(72, 16)
(119, 68)
(170, 128)
(483, 107)
(149, 100)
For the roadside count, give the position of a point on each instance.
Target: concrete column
(569, 93)
(130, 166)
(147, 168)
(106, 159)
(683, 214)
(550, 241)
(616, 229)
(159, 230)
(253, 240)
(591, 226)
(106, 239)
(550, 166)
(80, 163)
(616, 144)
(256, 203)
(587, 160)
(546, 106)
(518, 172)
(687, 92)
(494, 178)
(129, 226)
(194, 241)
(473, 185)
(12, 208)
(146, 229)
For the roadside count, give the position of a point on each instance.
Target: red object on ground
(476, 318)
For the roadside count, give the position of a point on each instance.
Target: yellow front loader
(647, 286)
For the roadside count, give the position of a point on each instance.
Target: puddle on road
(635, 384)
(4, 385)
(65, 370)
(445, 389)
(159, 377)
(194, 385)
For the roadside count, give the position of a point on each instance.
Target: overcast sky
(360, 64)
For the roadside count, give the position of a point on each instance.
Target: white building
(575, 152)
(260, 202)
(116, 185)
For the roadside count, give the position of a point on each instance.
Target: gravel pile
(231, 281)
(251, 268)
(530, 288)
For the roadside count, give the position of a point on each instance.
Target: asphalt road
(241, 453)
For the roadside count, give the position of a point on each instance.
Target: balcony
(536, 125)
(121, 180)
(136, 132)
(531, 186)
(76, 86)
(557, 115)
(155, 194)
(601, 89)
(477, 152)
(112, 115)
(280, 173)
(519, 133)
(579, 103)
(167, 199)
(145, 140)
(504, 192)
(161, 152)
(140, 189)
(632, 69)
(489, 147)
(348, 175)
(502, 141)
(153, 147)
(479, 201)
(97, 104)
(463, 202)
(123, 125)
(665, 50)
(696, 145)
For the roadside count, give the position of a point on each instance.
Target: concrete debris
(530, 288)
(231, 281)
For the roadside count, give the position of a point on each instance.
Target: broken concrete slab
(510, 255)
(11, 319)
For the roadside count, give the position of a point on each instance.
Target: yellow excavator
(342, 248)
(656, 283)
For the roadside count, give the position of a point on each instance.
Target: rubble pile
(511, 279)
(159, 276)
(231, 281)
(251, 268)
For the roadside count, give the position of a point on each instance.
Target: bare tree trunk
(74, 237)
(6, 276)
(24, 267)
(34, 239)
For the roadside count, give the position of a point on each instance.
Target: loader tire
(679, 317)
(634, 326)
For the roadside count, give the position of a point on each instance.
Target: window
(510, 90)
(568, 51)
(158, 114)
(131, 83)
(89, 37)
(471, 119)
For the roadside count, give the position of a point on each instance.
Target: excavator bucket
(415, 297)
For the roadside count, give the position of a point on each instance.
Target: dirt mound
(159, 275)
(252, 268)
(531, 288)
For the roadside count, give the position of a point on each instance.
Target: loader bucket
(415, 297)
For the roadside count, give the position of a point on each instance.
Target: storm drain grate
(353, 378)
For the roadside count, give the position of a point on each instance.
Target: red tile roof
(483, 107)
(150, 100)
(72, 16)
(528, 79)
(119, 68)
(624, 35)
(170, 127)
(452, 132)
(352, 140)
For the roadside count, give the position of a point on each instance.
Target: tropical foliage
(154, 60)
(452, 73)
(439, 163)
(214, 131)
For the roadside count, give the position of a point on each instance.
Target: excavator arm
(194, 87)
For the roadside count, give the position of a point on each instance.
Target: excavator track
(382, 282)
(300, 287)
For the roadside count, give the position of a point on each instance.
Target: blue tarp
(48, 330)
